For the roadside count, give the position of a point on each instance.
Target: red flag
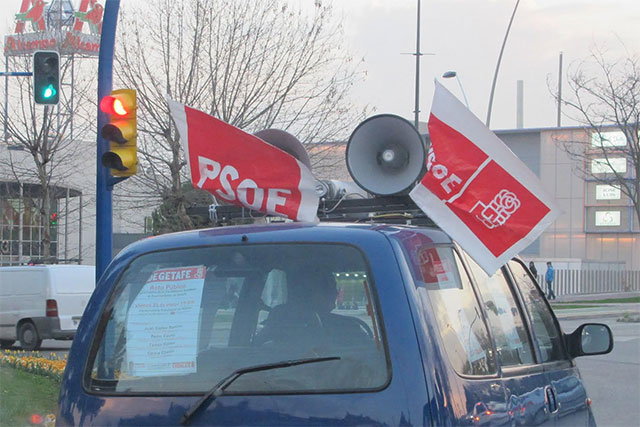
(243, 169)
(476, 189)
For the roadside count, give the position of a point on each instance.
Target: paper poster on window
(500, 302)
(463, 327)
(437, 270)
(162, 323)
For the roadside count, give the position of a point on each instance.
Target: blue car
(321, 324)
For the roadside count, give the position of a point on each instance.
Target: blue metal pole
(16, 74)
(104, 223)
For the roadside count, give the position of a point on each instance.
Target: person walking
(533, 270)
(548, 277)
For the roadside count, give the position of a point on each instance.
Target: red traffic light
(115, 105)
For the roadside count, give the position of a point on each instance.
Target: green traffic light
(46, 77)
(49, 92)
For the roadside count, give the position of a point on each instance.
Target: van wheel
(6, 343)
(28, 336)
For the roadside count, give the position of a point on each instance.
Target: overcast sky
(466, 36)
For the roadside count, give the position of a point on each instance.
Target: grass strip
(23, 395)
(604, 301)
(565, 306)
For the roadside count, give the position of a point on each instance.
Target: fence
(573, 282)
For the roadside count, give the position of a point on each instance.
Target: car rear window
(181, 321)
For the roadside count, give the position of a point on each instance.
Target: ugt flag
(243, 169)
(476, 189)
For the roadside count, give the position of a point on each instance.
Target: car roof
(277, 232)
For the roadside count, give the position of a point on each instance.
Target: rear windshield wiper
(219, 388)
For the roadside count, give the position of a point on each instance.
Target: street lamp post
(495, 75)
(451, 74)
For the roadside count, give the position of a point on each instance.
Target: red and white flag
(243, 169)
(477, 190)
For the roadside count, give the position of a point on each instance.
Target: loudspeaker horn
(386, 155)
(287, 143)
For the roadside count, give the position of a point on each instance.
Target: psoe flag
(243, 169)
(476, 189)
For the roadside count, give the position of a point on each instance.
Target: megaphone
(333, 189)
(386, 155)
(287, 143)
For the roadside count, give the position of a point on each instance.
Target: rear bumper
(49, 328)
(63, 335)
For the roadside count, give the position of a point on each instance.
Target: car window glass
(544, 327)
(506, 321)
(181, 320)
(444, 288)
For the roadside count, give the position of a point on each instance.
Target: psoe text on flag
(243, 169)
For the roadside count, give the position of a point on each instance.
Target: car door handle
(551, 399)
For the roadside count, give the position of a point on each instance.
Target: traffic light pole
(104, 183)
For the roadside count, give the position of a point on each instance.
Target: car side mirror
(590, 339)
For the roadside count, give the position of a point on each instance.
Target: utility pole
(559, 89)
(418, 54)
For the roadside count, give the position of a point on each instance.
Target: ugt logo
(498, 211)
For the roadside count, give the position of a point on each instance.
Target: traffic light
(46, 77)
(53, 219)
(121, 132)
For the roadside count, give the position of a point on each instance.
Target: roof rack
(390, 210)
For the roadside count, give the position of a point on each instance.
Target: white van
(42, 302)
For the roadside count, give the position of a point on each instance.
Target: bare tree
(40, 149)
(254, 64)
(604, 96)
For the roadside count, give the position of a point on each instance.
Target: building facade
(598, 228)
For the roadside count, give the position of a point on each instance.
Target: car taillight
(52, 308)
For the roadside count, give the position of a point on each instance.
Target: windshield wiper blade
(219, 388)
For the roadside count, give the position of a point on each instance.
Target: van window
(72, 279)
(544, 326)
(182, 320)
(445, 288)
(16, 282)
(504, 316)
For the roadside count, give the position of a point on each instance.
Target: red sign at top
(31, 11)
(90, 12)
(34, 31)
